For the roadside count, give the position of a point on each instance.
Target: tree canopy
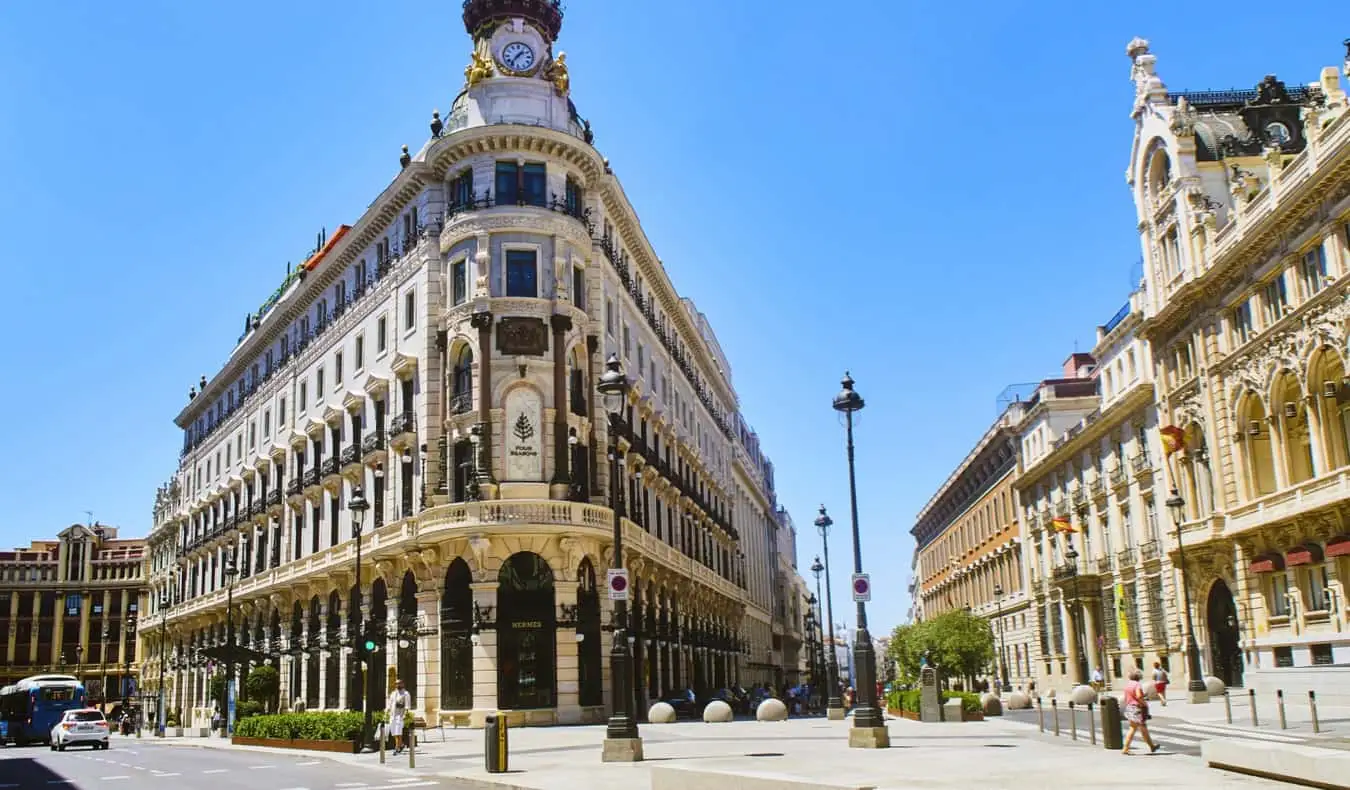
(957, 643)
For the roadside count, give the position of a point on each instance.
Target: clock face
(517, 56)
(1277, 132)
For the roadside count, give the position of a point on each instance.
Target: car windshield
(84, 715)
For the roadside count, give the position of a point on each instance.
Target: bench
(421, 723)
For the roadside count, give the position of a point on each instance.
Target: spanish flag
(1062, 524)
(1173, 439)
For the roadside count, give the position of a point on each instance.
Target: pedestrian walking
(1136, 712)
(399, 703)
(1160, 680)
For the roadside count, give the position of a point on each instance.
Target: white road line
(161, 774)
(351, 784)
(399, 787)
(310, 762)
(404, 781)
(1224, 732)
(139, 767)
(217, 771)
(260, 767)
(111, 778)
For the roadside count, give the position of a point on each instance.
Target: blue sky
(928, 194)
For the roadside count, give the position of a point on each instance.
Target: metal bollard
(1279, 701)
(383, 731)
(1040, 715)
(1073, 721)
(1092, 725)
(1227, 706)
(412, 748)
(1054, 714)
(1312, 706)
(1251, 699)
(1112, 736)
(495, 751)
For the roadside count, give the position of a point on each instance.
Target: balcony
(1097, 488)
(1103, 565)
(351, 458)
(461, 403)
(1118, 477)
(311, 479)
(258, 509)
(1125, 558)
(329, 468)
(274, 501)
(1079, 498)
(1142, 465)
(372, 447)
(403, 428)
(1149, 551)
(293, 487)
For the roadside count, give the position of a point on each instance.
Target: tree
(264, 686)
(217, 690)
(957, 644)
(908, 645)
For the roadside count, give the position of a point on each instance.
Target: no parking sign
(862, 587)
(618, 584)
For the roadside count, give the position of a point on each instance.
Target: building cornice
(1138, 396)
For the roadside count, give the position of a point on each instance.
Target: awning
(1268, 563)
(1306, 554)
(1339, 546)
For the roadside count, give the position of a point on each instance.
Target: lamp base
(834, 714)
(622, 750)
(1197, 696)
(869, 738)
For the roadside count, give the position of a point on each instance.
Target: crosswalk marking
(1233, 732)
(217, 771)
(112, 778)
(309, 762)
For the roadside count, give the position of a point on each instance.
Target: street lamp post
(1076, 615)
(1196, 690)
(160, 720)
(358, 506)
(103, 661)
(869, 725)
(1002, 656)
(622, 741)
(575, 490)
(231, 571)
(834, 706)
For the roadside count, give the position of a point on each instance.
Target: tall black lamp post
(622, 741)
(103, 661)
(231, 571)
(358, 506)
(1076, 616)
(869, 724)
(1195, 686)
(163, 642)
(834, 706)
(1002, 656)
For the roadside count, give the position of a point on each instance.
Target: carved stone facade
(488, 462)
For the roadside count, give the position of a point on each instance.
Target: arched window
(461, 382)
(1257, 457)
(1291, 411)
(1326, 384)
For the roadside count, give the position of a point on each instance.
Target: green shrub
(970, 701)
(245, 708)
(317, 726)
(911, 700)
(263, 685)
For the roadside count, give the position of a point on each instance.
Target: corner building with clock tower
(441, 354)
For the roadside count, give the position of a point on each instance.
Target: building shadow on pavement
(27, 773)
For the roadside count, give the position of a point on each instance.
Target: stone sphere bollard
(991, 705)
(771, 709)
(1018, 701)
(661, 713)
(1214, 686)
(1082, 695)
(1150, 690)
(717, 712)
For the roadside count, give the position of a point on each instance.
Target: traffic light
(368, 646)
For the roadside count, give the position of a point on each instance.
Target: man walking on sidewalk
(399, 703)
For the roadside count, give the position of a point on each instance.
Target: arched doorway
(312, 654)
(407, 635)
(590, 658)
(525, 633)
(296, 643)
(456, 638)
(379, 663)
(332, 638)
(1225, 649)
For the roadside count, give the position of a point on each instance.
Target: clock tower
(513, 75)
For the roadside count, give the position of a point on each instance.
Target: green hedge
(910, 700)
(317, 726)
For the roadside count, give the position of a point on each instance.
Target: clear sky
(929, 194)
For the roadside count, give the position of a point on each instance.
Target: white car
(85, 726)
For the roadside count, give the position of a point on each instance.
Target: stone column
(1090, 633)
(429, 648)
(592, 346)
(483, 323)
(58, 625)
(567, 674)
(344, 668)
(484, 657)
(12, 645)
(561, 457)
(286, 693)
(85, 606)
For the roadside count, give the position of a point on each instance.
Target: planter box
(340, 747)
(913, 716)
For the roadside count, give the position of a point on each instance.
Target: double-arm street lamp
(160, 720)
(1002, 656)
(1195, 686)
(231, 571)
(622, 741)
(1076, 618)
(834, 706)
(869, 724)
(358, 506)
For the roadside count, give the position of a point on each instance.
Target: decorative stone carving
(478, 547)
(522, 335)
(524, 434)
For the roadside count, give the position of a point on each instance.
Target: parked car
(85, 726)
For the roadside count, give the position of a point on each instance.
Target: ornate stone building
(70, 605)
(441, 354)
(1243, 200)
(969, 548)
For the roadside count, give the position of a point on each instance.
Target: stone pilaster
(562, 477)
(12, 638)
(429, 654)
(484, 656)
(568, 664)
(482, 321)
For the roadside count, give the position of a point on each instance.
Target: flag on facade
(1062, 524)
(1173, 439)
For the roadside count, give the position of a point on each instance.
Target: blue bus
(30, 708)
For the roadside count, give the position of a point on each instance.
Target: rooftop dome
(544, 14)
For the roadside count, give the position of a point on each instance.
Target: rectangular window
(281, 412)
(318, 385)
(360, 276)
(579, 288)
(1284, 657)
(1276, 300)
(410, 310)
(1279, 595)
(252, 435)
(461, 191)
(641, 359)
(360, 352)
(337, 368)
(1321, 655)
(627, 343)
(267, 424)
(304, 397)
(459, 281)
(609, 317)
(576, 198)
(381, 334)
(1242, 322)
(1313, 271)
(522, 278)
(534, 184)
(508, 183)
